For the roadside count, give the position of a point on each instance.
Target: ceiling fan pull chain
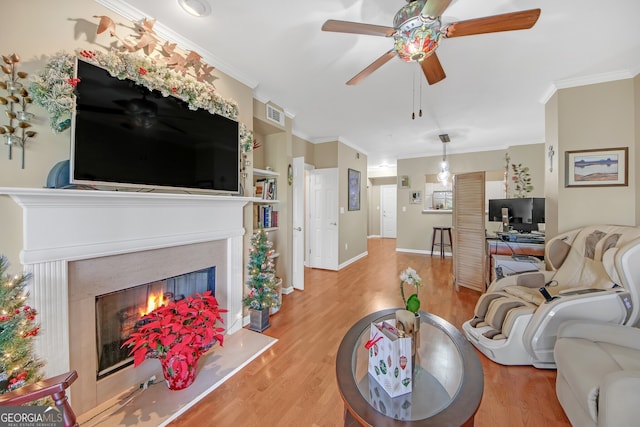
(413, 97)
(420, 112)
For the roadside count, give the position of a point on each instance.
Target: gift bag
(398, 407)
(390, 358)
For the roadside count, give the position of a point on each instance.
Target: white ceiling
(496, 84)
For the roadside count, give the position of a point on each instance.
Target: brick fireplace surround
(81, 243)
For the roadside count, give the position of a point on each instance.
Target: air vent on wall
(275, 115)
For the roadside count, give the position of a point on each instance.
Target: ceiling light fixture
(197, 8)
(417, 35)
(444, 174)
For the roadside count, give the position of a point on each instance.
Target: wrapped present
(390, 358)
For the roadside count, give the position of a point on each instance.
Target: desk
(448, 382)
(496, 246)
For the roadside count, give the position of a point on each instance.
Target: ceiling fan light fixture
(417, 35)
(198, 8)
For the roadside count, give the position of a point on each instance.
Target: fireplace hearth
(79, 244)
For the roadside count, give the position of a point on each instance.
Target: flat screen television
(524, 214)
(125, 135)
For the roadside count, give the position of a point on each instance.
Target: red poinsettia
(182, 330)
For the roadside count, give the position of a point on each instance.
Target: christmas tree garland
(53, 87)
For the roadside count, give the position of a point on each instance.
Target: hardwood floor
(293, 383)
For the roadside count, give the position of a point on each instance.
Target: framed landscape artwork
(597, 168)
(354, 190)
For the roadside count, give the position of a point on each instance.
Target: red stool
(440, 241)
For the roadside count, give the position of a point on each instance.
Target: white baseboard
(288, 290)
(422, 251)
(352, 260)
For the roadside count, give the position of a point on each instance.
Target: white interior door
(297, 244)
(323, 219)
(388, 212)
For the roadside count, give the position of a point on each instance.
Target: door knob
(297, 228)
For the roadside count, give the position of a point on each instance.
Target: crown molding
(340, 139)
(261, 97)
(587, 80)
(166, 33)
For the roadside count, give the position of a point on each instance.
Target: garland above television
(53, 87)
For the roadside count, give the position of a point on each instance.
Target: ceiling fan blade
(372, 67)
(357, 28)
(432, 69)
(435, 8)
(492, 24)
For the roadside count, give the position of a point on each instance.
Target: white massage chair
(595, 276)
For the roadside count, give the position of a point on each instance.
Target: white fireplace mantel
(79, 224)
(62, 225)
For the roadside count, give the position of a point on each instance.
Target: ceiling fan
(417, 31)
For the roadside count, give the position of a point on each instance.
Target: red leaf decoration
(181, 329)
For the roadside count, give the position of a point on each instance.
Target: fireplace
(80, 244)
(119, 313)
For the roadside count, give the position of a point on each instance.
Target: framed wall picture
(403, 182)
(415, 197)
(354, 190)
(597, 168)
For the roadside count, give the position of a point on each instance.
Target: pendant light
(444, 174)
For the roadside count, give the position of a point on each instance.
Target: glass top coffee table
(447, 384)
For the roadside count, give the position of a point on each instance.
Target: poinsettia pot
(178, 373)
(178, 333)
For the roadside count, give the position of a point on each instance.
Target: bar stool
(440, 231)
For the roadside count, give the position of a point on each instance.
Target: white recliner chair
(598, 381)
(594, 275)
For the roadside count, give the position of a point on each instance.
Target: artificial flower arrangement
(180, 331)
(411, 278)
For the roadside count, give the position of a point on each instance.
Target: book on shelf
(264, 216)
(269, 189)
(267, 217)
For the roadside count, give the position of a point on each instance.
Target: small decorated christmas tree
(18, 364)
(262, 278)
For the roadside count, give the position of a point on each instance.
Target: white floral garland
(52, 88)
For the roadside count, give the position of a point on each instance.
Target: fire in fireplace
(118, 313)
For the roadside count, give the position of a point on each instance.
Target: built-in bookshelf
(265, 201)
(265, 214)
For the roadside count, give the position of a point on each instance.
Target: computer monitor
(519, 214)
